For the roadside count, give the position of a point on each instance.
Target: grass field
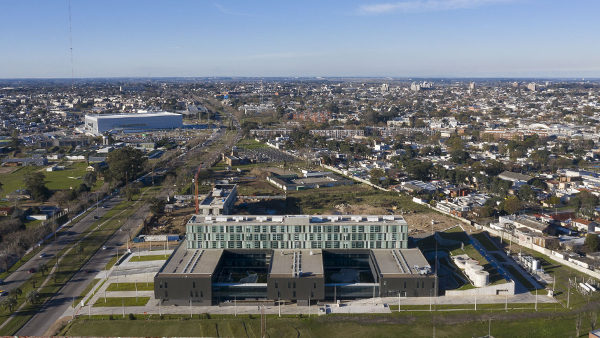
(111, 262)
(87, 289)
(70, 263)
(315, 201)
(519, 277)
(148, 258)
(394, 325)
(130, 286)
(561, 274)
(71, 177)
(250, 144)
(485, 242)
(121, 301)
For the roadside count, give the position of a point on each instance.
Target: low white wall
(490, 290)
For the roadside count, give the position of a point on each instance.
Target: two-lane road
(55, 307)
(48, 254)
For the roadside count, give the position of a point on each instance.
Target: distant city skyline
(411, 38)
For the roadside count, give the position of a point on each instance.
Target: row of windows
(295, 245)
(297, 228)
(296, 237)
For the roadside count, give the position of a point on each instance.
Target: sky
(379, 38)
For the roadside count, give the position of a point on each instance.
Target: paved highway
(55, 307)
(50, 250)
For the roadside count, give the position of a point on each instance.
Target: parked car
(32, 270)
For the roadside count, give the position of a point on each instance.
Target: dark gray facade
(213, 276)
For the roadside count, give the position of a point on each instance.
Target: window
(193, 285)
(294, 285)
(165, 285)
(276, 285)
(294, 294)
(314, 285)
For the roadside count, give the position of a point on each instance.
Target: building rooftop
(218, 196)
(192, 261)
(511, 176)
(299, 219)
(114, 116)
(297, 263)
(401, 262)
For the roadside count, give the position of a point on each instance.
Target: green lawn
(111, 262)
(70, 263)
(148, 258)
(315, 201)
(87, 289)
(403, 325)
(519, 277)
(71, 177)
(251, 144)
(485, 242)
(561, 274)
(130, 286)
(121, 301)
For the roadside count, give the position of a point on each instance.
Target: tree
(36, 185)
(18, 292)
(43, 268)
(526, 193)
(157, 206)
(376, 175)
(591, 243)
(90, 178)
(9, 303)
(553, 200)
(511, 205)
(124, 164)
(459, 156)
(32, 297)
(131, 190)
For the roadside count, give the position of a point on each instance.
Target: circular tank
(481, 278)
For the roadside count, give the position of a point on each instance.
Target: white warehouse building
(130, 123)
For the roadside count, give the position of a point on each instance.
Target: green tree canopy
(36, 185)
(124, 164)
(591, 243)
(511, 205)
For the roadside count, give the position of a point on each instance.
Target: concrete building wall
(296, 289)
(409, 286)
(132, 122)
(179, 289)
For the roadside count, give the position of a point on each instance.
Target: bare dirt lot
(419, 224)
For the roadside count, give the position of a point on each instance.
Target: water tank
(535, 265)
(480, 278)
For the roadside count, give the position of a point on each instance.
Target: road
(50, 250)
(55, 307)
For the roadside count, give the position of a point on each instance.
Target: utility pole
(235, 306)
(569, 294)
(190, 307)
(398, 301)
